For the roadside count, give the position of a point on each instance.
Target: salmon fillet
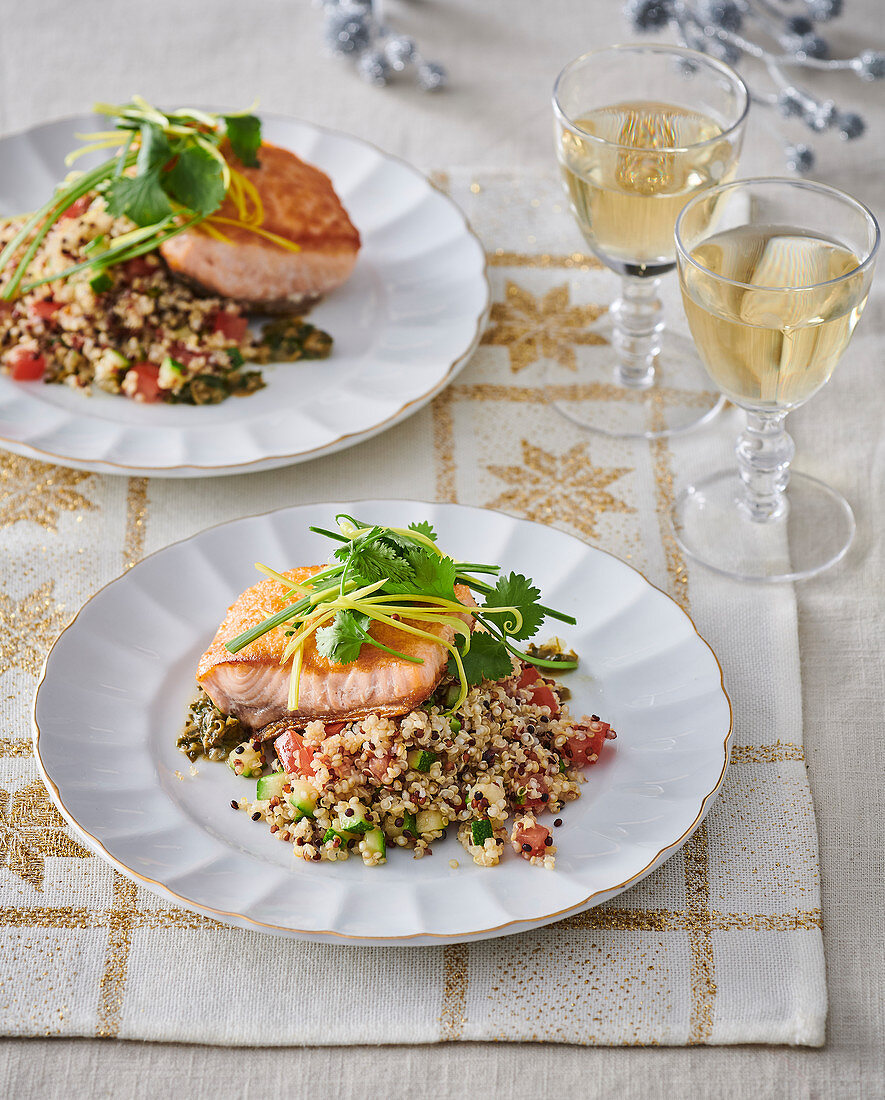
(253, 686)
(300, 204)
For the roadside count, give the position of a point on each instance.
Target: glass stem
(638, 321)
(764, 452)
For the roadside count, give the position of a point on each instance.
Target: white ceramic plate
(404, 324)
(117, 682)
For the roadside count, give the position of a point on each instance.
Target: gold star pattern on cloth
(29, 626)
(549, 487)
(549, 327)
(39, 492)
(30, 829)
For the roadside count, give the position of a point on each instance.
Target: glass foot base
(681, 396)
(812, 535)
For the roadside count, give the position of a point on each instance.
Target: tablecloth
(503, 57)
(722, 944)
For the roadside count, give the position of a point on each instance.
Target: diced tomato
(137, 267)
(26, 365)
(584, 746)
(534, 835)
(45, 309)
(294, 755)
(231, 325)
(541, 692)
(331, 728)
(77, 207)
(146, 386)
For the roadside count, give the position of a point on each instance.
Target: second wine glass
(640, 129)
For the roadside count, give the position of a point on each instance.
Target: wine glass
(639, 130)
(775, 274)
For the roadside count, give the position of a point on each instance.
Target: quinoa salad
(373, 703)
(135, 330)
(509, 755)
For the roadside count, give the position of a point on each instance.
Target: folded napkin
(721, 945)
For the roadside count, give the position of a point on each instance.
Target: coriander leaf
(487, 659)
(515, 590)
(370, 559)
(432, 575)
(196, 180)
(155, 149)
(424, 528)
(343, 638)
(140, 198)
(244, 134)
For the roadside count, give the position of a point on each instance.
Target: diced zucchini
(420, 760)
(303, 798)
(329, 835)
(101, 282)
(249, 760)
(480, 831)
(171, 373)
(454, 725)
(236, 358)
(271, 786)
(430, 821)
(563, 767)
(392, 830)
(375, 842)
(355, 822)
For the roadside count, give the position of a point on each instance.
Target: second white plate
(117, 682)
(404, 324)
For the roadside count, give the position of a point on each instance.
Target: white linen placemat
(721, 945)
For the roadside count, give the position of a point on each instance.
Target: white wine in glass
(766, 347)
(627, 193)
(639, 131)
(775, 275)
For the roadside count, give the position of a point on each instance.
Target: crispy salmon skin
(253, 686)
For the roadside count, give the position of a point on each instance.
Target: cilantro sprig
(169, 173)
(400, 577)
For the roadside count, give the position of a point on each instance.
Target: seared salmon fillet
(253, 686)
(300, 204)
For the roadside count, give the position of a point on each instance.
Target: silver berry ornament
(800, 24)
(373, 68)
(789, 103)
(400, 51)
(800, 158)
(431, 77)
(724, 14)
(849, 125)
(347, 29)
(812, 45)
(649, 15)
(871, 65)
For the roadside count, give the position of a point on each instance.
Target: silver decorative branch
(784, 41)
